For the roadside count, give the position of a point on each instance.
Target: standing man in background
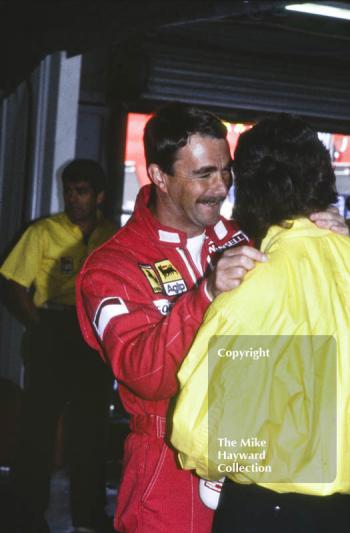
(60, 368)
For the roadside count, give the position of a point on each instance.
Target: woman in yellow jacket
(265, 389)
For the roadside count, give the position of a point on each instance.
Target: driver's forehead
(204, 151)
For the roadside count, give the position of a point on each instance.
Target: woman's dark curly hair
(282, 171)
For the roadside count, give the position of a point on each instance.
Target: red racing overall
(140, 302)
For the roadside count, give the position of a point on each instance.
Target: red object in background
(341, 148)
(233, 132)
(136, 173)
(134, 145)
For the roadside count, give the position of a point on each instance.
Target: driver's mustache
(211, 199)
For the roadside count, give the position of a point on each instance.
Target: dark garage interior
(72, 71)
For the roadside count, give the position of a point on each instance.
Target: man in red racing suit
(141, 299)
(145, 298)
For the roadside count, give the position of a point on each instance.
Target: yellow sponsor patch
(171, 279)
(167, 271)
(151, 277)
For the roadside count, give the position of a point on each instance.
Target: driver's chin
(208, 219)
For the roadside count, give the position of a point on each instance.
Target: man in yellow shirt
(60, 369)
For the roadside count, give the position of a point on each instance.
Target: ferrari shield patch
(152, 278)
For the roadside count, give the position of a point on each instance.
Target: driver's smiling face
(199, 184)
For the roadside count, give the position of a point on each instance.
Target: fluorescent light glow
(317, 9)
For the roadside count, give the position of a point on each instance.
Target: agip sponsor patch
(152, 278)
(171, 279)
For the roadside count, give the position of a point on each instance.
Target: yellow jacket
(276, 355)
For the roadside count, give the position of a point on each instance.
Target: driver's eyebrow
(212, 168)
(204, 170)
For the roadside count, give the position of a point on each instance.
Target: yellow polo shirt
(49, 256)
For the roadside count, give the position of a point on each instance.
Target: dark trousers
(253, 509)
(62, 372)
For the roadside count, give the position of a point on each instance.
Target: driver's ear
(158, 177)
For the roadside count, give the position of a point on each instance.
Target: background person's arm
(19, 271)
(19, 302)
